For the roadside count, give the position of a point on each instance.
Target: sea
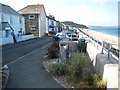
(110, 30)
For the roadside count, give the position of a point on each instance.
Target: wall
(47, 25)
(8, 40)
(67, 46)
(103, 66)
(32, 22)
(27, 37)
(14, 22)
(111, 75)
(55, 26)
(42, 22)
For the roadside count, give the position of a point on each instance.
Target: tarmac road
(26, 67)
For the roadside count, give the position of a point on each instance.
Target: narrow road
(14, 51)
(25, 63)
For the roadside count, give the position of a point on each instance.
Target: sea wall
(103, 66)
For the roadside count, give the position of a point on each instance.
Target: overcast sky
(88, 12)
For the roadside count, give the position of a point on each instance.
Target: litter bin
(82, 45)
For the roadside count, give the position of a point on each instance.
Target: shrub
(101, 84)
(82, 85)
(95, 81)
(76, 67)
(58, 69)
(53, 50)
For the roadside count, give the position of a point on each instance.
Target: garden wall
(8, 40)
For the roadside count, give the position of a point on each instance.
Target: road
(25, 63)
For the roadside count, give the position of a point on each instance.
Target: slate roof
(5, 25)
(8, 10)
(32, 9)
(52, 18)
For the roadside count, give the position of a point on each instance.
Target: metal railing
(107, 46)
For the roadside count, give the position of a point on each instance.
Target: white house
(10, 20)
(52, 26)
(35, 19)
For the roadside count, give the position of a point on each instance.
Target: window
(33, 28)
(31, 16)
(20, 20)
(11, 20)
(2, 18)
(7, 33)
(20, 32)
(21, 29)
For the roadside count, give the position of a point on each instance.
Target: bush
(76, 67)
(53, 50)
(82, 85)
(58, 69)
(95, 81)
(101, 84)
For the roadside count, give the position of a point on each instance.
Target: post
(109, 47)
(102, 47)
(97, 45)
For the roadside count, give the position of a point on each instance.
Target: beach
(101, 36)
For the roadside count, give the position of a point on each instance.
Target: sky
(87, 12)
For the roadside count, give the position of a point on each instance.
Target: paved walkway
(28, 72)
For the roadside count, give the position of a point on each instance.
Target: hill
(72, 24)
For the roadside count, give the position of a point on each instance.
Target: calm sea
(113, 31)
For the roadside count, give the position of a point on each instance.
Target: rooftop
(31, 9)
(8, 10)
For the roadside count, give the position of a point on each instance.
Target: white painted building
(52, 26)
(10, 20)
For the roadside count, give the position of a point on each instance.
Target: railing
(107, 46)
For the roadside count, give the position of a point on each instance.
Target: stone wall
(32, 22)
(67, 47)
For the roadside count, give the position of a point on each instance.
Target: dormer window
(31, 16)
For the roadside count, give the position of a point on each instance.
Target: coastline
(102, 36)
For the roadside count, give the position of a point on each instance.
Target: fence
(106, 46)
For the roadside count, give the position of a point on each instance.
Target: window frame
(31, 16)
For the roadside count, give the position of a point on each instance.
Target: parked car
(58, 36)
(72, 36)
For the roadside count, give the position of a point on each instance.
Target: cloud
(84, 12)
(100, 2)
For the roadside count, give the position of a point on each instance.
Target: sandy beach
(101, 36)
